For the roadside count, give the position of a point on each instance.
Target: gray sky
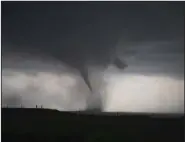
(43, 43)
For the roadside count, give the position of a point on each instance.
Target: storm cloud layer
(45, 43)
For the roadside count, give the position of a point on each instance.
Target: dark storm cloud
(86, 29)
(159, 57)
(81, 33)
(78, 34)
(148, 36)
(71, 32)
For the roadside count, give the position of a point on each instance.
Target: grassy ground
(50, 125)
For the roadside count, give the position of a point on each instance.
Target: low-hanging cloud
(38, 81)
(66, 36)
(44, 88)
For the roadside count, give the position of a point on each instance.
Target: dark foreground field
(50, 125)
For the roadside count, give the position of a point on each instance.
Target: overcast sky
(44, 44)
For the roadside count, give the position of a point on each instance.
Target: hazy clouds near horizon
(152, 85)
(152, 46)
